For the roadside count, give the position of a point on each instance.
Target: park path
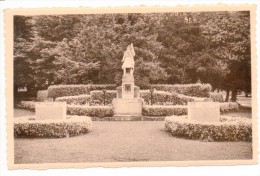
(119, 141)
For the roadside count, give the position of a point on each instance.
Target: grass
(125, 141)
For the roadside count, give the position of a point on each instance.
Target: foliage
(30, 127)
(216, 97)
(92, 111)
(30, 105)
(71, 90)
(42, 95)
(77, 99)
(228, 129)
(99, 97)
(162, 110)
(195, 90)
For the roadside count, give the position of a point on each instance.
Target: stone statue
(128, 60)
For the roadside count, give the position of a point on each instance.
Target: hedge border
(29, 127)
(228, 129)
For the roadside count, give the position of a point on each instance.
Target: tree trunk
(234, 95)
(227, 96)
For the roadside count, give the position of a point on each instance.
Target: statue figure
(128, 59)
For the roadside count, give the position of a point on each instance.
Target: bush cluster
(71, 90)
(216, 97)
(229, 106)
(98, 97)
(194, 90)
(158, 110)
(29, 127)
(77, 99)
(42, 95)
(30, 105)
(166, 98)
(228, 129)
(93, 111)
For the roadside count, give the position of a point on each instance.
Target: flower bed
(229, 107)
(98, 96)
(29, 127)
(159, 110)
(78, 99)
(93, 111)
(194, 90)
(71, 90)
(228, 129)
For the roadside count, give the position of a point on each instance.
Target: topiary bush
(42, 95)
(93, 111)
(77, 100)
(229, 107)
(194, 90)
(98, 96)
(30, 105)
(71, 90)
(218, 97)
(29, 127)
(228, 129)
(167, 98)
(158, 110)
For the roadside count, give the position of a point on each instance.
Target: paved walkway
(126, 141)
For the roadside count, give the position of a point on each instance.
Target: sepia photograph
(136, 87)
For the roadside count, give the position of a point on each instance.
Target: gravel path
(126, 141)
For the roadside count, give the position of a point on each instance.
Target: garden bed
(30, 127)
(228, 129)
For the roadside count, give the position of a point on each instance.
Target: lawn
(125, 141)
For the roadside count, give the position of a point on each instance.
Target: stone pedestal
(127, 106)
(204, 111)
(50, 110)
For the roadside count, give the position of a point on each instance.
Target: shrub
(78, 99)
(228, 129)
(93, 111)
(216, 97)
(167, 98)
(194, 90)
(229, 106)
(97, 97)
(26, 105)
(42, 95)
(71, 90)
(29, 127)
(157, 110)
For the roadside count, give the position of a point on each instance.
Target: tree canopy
(171, 48)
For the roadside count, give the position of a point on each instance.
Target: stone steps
(129, 118)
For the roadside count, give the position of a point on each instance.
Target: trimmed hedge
(228, 129)
(216, 97)
(194, 90)
(78, 99)
(157, 110)
(26, 105)
(71, 90)
(167, 98)
(93, 111)
(97, 97)
(168, 110)
(29, 127)
(42, 95)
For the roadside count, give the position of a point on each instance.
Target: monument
(50, 110)
(128, 101)
(204, 111)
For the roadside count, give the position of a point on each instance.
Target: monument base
(127, 107)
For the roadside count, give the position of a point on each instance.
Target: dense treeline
(171, 48)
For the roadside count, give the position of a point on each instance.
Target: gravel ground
(126, 141)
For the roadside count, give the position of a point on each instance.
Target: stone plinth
(204, 111)
(127, 106)
(50, 110)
